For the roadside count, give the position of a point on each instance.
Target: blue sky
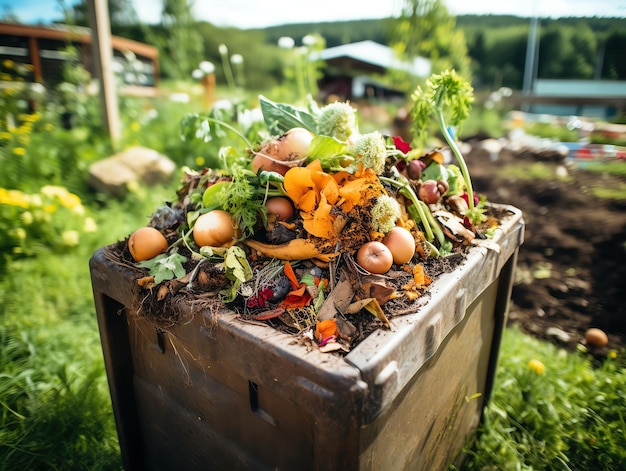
(255, 13)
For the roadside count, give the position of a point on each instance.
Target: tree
(566, 52)
(613, 63)
(179, 43)
(121, 13)
(426, 29)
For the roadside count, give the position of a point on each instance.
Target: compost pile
(316, 229)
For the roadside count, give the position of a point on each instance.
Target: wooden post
(98, 15)
(208, 85)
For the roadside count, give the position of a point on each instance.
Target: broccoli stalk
(446, 91)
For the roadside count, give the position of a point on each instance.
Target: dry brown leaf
(338, 300)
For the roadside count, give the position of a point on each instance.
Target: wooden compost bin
(215, 392)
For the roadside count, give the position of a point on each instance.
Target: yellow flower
(199, 161)
(135, 126)
(19, 151)
(90, 225)
(613, 354)
(50, 208)
(536, 366)
(79, 209)
(27, 218)
(13, 198)
(6, 135)
(70, 238)
(8, 63)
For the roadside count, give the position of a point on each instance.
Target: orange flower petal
(308, 201)
(297, 183)
(331, 191)
(353, 190)
(326, 328)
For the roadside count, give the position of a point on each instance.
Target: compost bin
(216, 392)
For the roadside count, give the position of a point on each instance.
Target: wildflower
(285, 42)
(135, 126)
(337, 120)
(90, 225)
(612, 354)
(70, 238)
(199, 161)
(371, 150)
(13, 198)
(248, 118)
(385, 213)
(19, 151)
(401, 145)
(79, 209)
(50, 208)
(536, 366)
(27, 218)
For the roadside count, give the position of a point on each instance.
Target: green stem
(232, 129)
(228, 71)
(405, 189)
(431, 220)
(459, 157)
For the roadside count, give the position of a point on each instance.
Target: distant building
(351, 69)
(44, 49)
(604, 99)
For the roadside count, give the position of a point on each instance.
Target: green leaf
(165, 267)
(194, 126)
(236, 264)
(328, 150)
(434, 171)
(280, 117)
(213, 197)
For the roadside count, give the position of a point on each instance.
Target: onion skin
(284, 152)
(401, 243)
(596, 337)
(414, 169)
(281, 207)
(214, 229)
(375, 257)
(146, 243)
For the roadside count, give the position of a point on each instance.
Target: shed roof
(370, 56)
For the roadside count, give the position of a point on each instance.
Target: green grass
(613, 167)
(570, 417)
(55, 410)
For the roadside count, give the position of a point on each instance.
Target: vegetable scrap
(319, 230)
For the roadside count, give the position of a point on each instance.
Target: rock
(113, 175)
(559, 334)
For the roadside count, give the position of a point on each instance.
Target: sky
(258, 13)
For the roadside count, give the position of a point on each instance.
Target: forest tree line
(495, 45)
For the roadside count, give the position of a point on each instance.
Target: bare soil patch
(571, 272)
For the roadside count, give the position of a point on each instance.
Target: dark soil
(571, 272)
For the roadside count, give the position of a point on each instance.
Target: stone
(135, 165)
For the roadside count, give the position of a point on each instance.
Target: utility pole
(102, 51)
(532, 49)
